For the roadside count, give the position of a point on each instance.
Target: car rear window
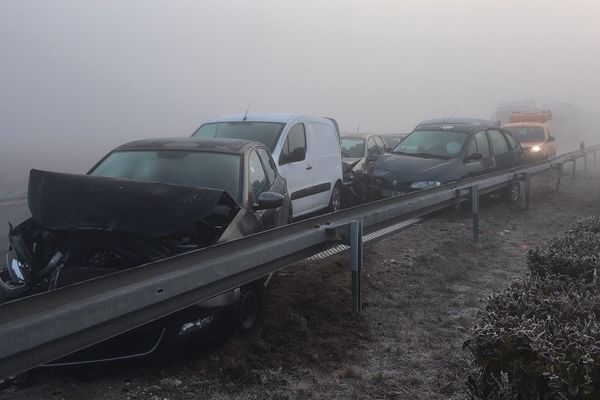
(353, 147)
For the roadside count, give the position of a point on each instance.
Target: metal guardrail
(44, 327)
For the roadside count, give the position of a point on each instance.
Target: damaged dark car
(146, 201)
(442, 151)
(359, 152)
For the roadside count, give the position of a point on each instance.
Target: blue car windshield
(266, 133)
(438, 144)
(187, 168)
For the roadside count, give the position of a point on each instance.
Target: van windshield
(527, 133)
(266, 133)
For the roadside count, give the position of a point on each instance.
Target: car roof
(217, 145)
(282, 118)
(473, 122)
(466, 128)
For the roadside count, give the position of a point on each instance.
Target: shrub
(541, 337)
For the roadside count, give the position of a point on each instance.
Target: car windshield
(188, 168)
(266, 133)
(392, 141)
(441, 144)
(353, 147)
(527, 133)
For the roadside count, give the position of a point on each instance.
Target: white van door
(327, 162)
(295, 164)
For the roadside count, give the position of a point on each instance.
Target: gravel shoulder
(421, 290)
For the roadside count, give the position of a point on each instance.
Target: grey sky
(80, 77)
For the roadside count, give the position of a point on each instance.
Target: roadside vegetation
(539, 338)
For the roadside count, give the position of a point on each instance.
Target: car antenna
(246, 114)
(358, 128)
(454, 113)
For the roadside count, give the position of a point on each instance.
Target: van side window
(256, 174)
(269, 165)
(483, 146)
(499, 143)
(294, 148)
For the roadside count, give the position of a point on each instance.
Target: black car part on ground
(92, 311)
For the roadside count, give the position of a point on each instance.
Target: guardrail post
(527, 182)
(356, 260)
(560, 173)
(574, 167)
(475, 209)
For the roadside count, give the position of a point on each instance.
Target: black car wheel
(335, 203)
(513, 192)
(251, 309)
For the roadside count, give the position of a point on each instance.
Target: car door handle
(309, 166)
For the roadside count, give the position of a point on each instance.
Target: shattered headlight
(425, 184)
(348, 178)
(16, 270)
(192, 326)
(536, 149)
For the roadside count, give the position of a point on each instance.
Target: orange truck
(533, 130)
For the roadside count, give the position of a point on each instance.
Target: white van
(306, 150)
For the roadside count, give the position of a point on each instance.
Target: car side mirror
(551, 138)
(269, 200)
(474, 157)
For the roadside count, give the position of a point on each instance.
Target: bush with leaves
(541, 337)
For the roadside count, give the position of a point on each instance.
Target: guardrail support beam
(475, 209)
(560, 174)
(356, 261)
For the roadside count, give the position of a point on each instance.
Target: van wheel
(335, 203)
(251, 309)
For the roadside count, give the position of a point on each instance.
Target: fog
(80, 77)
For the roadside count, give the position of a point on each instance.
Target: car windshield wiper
(424, 155)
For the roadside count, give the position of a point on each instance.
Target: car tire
(251, 309)
(512, 193)
(335, 202)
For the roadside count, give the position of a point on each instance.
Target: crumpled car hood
(70, 202)
(404, 168)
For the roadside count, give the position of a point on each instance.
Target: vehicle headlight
(425, 184)
(536, 149)
(15, 268)
(348, 177)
